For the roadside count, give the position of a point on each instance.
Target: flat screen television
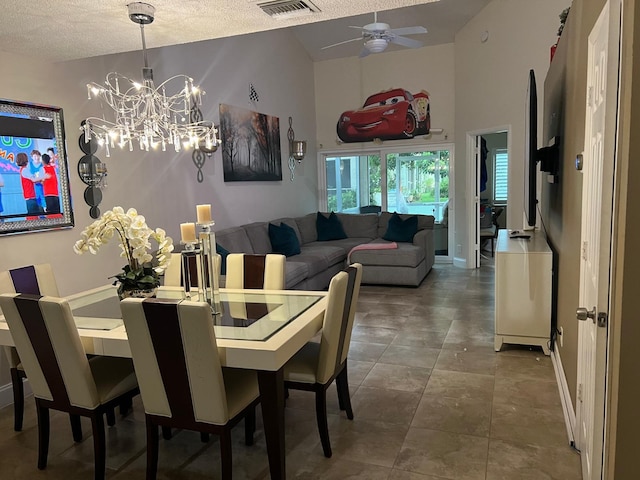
(530, 154)
(34, 179)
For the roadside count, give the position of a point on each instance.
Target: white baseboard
(6, 393)
(565, 397)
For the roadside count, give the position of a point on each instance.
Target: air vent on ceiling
(281, 9)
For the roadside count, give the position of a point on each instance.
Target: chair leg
(344, 398)
(76, 427)
(249, 426)
(492, 240)
(321, 418)
(225, 454)
(43, 435)
(18, 399)
(125, 406)
(152, 450)
(111, 417)
(99, 445)
(166, 433)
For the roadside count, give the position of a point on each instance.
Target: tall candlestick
(203, 213)
(188, 232)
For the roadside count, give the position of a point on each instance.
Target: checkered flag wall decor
(253, 95)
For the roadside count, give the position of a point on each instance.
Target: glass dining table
(256, 329)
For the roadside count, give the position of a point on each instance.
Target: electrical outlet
(560, 334)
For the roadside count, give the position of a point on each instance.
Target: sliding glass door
(414, 180)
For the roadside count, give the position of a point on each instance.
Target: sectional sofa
(319, 261)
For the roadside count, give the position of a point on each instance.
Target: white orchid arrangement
(134, 235)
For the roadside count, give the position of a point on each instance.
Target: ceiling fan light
(376, 45)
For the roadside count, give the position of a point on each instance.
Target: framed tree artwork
(250, 145)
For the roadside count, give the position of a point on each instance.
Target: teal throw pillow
(329, 228)
(284, 239)
(399, 230)
(223, 252)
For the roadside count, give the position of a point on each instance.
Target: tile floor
(431, 399)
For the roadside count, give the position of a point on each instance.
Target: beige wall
(491, 84)
(163, 186)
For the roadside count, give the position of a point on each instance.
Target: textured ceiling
(59, 30)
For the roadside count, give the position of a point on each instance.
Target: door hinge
(590, 97)
(603, 319)
(579, 392)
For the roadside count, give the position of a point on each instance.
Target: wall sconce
(297, 148)
(93, 173)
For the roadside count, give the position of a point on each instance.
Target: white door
(595, 244)
(476, 199)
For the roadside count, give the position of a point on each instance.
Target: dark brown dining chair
(61, 375)
(255, 271)
(182, 382)
(173, 275)
(35, 280)
(317, 364)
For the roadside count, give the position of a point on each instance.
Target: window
(501, 177)
(352, 182)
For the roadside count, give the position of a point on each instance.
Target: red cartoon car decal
(390, 115)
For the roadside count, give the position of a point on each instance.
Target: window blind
(501, 176)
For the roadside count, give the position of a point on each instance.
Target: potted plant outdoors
(139, 277)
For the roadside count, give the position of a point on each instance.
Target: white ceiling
(60, 30)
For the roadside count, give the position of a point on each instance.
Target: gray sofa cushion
(331, 253)
(258, 234)
(235, 240)
(307, 228)
(294, 272)
(406, 255)
(360, 226)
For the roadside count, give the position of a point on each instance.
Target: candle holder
(189, 256)
(208, 272)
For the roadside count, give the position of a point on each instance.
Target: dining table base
(271, 384)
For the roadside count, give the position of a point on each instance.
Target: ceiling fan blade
(408, 30)
(365, 51)
(342, 43)
(353, 26)
(406, 42)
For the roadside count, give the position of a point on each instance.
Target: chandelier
(141, 113)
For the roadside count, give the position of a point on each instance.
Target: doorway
(488, 154)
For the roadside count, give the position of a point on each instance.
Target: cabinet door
(523, 294)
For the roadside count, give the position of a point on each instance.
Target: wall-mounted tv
(34, 179)
(530, 154)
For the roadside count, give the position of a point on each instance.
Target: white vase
(139, 293)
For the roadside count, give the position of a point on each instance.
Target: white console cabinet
(523, 290)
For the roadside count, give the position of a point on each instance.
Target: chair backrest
(175, 356)
(332, 327)
(49, 346)
(33, 279)
(255, 271)
(173, 274)
(350, 306)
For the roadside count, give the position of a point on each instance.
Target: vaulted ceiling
(59, 30)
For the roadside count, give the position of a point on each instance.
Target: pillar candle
(188, 232)
(203, 213)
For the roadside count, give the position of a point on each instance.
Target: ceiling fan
(377, 36)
